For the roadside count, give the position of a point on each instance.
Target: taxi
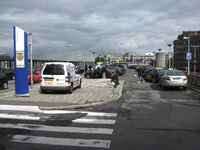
(154, 74)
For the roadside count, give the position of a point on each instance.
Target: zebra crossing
(78, 126)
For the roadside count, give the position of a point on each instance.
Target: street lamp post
(99, 57)
(169, 53)
(67, 52)
(30, 54)
(159, 56)
(195, 46)
(153, 58)
(188, 52)
(93, 56)
(84, 60)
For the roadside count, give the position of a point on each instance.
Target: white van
(59, 76)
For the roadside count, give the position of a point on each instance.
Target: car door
(149, 75)
(1, 79)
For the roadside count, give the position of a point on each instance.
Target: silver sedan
(173, 78)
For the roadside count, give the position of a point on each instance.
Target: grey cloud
(101, 26)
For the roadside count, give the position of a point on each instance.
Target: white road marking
(57, 128)
(94, 121)
(62, 141)
(88, 113)
(20, 108)
(18, 117)
(37, 110)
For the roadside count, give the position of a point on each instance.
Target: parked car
(123, 66)
(36, 75)
(59, 76)
(147, 70)
(119, 70)
(3, 80)
(10, 73)
(97, 73)
(154, 75)
(80, 69)
(173, 78)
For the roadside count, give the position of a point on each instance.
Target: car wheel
(71, 89)
(5, 85)
(163, 87)
(80, 84)
(185, 88)
(153, 80)
(44, 91)
(87, 76)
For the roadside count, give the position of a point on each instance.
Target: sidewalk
(93, 92)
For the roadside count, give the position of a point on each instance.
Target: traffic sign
(189, 56)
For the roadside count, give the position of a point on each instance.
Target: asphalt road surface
(145, 118)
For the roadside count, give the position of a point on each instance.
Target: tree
(99, 59)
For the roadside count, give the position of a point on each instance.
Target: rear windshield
(175, 73)
(160, 71)
(110, 70)
(54, 69)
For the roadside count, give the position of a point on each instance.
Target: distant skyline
(102, 26)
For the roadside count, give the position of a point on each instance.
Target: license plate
(48, 79)
(177, 79)
(48, 83)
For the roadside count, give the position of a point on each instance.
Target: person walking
(85, 68)
(90, 67)
(104, 72)
(139, 70)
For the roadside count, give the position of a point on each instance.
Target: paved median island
(93, 92)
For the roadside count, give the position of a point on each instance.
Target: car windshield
(55, 69)
(175, 73)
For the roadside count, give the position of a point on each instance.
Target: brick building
(181, 50)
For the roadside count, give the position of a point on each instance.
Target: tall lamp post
(195, 46)
(84, 60)
(169, 53)
(159, 56)
(93, 56)
(67, 52)
(188, 53)
(99, 57)
(153, 58)
(30, 53)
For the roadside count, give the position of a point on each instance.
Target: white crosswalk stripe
(35, 114)
(62, 141)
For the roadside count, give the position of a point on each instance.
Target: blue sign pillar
(21, 62)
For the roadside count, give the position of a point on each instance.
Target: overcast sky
(101, 26)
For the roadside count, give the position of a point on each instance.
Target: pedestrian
(104, 72)
(90, 67)
(139, 70)
(114, 78)
(85, 68)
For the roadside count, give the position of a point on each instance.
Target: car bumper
(55, 88)
(175, 84)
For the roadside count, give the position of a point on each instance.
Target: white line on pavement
(94, 121)
(20, 108)
(57, 128)
(18, 117)
(62, 141)
(37, 110)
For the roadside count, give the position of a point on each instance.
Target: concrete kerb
(88, 105)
